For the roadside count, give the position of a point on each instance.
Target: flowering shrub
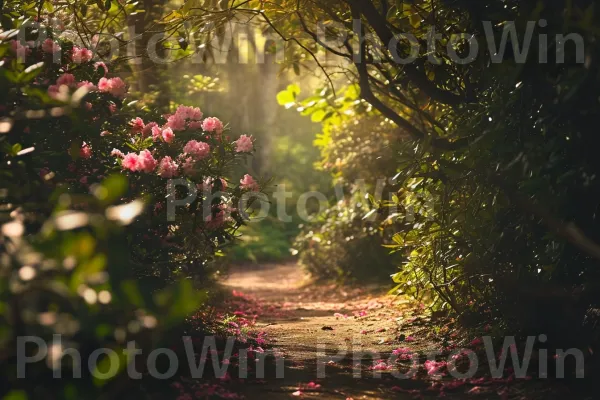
(197, 153)
(79, 168)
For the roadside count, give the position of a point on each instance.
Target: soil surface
(336, 343)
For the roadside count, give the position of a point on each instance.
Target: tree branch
(416, 76)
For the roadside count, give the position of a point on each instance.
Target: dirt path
(324, 327)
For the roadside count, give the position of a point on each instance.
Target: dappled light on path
(337, 342)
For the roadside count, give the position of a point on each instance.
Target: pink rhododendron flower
(50, 46)
(85, 151)
(248, 183)
(195, 125)
(176, 122)
(114, 86)
(130, 162)
(88, 85)
(189, 112)
(137, 125)
(117, 153)
(168, 135)
(167, 168)
(19, 49)
(66, 79)
(196, 149)
(212, 124)
(53, 91)
(146, 162)
(147, 131)
(100, 64)
(189, 166)
(156, 133)
(244, 144)
(81, 55)
(88, 106)
(104, 85)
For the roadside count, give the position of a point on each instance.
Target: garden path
(315, 324)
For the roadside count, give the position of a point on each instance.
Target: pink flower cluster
(248, 183)
(212, 124)
(81, 55)
(50, 46)
(189, 166)
(198, 150)
(114, 86)
(85, 151)
(244, 144)
(143, 162)
(184, 116)
(67, 80)
(167, 168)
(19, 49)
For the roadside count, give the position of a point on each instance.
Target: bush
(341, 245)
(87, 251)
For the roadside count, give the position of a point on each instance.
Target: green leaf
(415, 20)
(114, 187)
(369, 214)
(285, 97)
(48, 6)
(7, 22)
(132, 292)
(181, 300)
(294, 90)
(317, 116)
(16, 148)
(31, 72)
(106, 364)
(16, 395)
